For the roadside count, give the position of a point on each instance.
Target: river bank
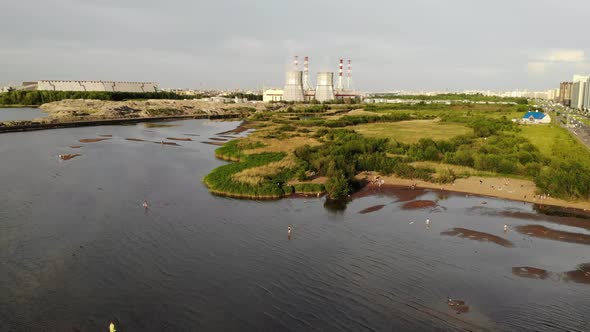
(86, 112)
(506, 188)
(34, 125)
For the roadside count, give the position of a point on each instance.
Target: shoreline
(105, 122)
(509, 189)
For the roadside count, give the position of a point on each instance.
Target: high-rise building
(565, 93)
(578, 91)
(586, 102)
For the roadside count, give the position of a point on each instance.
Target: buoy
(112, 327)
(505, 228)
(427, 221)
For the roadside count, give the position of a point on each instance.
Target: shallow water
(77, 249)
(20, 114)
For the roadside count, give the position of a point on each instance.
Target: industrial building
(298, 86)
(49, 85)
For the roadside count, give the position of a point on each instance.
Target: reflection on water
(78, 250)
(20, 114)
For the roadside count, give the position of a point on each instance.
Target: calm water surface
(15, 114)
(77, 250)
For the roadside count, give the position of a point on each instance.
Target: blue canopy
(534, 115)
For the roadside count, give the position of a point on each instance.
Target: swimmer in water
(112, 327)
(145, 204)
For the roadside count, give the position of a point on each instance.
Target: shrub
(337, 186)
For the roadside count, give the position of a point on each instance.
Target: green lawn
(545, 136)
(412, 131)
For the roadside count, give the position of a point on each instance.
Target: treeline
(455, 96)
(249, 96)
(41, 97)
(353, 120)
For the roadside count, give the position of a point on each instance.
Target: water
(20, 114)
(77, 250)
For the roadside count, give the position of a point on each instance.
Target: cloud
(566, 56)
(536, 67)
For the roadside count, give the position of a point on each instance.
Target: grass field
(412, 131)
(544, 137)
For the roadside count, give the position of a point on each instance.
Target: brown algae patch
(92, 140)
(478, 236)
(218, 139)
(105, 135)
(567, 221)
(213, 143)
(167, 143)
(135, 140)
(530, 272)
(372, 209)
(75, 146)
(402, 194)
(418, 204)
(68, 156)
(238, 130)
(580, 275)
(179, 139)
(543, 232)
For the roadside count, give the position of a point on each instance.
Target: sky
(225, 44)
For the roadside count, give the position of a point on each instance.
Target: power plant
(298, 86)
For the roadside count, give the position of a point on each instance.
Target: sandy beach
(513, 189)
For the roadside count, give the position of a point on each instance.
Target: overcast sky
(411, 45)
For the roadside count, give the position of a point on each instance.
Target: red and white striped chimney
(340, 83)
(349, 76)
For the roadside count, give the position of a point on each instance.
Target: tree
(337, 186)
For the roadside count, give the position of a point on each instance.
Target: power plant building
(298, 86)
(269, 95)
(293, 90)
(325, 87)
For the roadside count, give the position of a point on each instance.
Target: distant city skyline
(413, 45)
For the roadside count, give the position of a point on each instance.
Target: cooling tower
(293, 86)
(325, 87)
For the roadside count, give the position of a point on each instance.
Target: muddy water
(78, 250)
(20, 114)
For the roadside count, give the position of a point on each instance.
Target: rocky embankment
(86, 109)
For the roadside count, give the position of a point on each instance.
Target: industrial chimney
(349, 77)
(306, 82)
(340, 83)
(325, 87)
